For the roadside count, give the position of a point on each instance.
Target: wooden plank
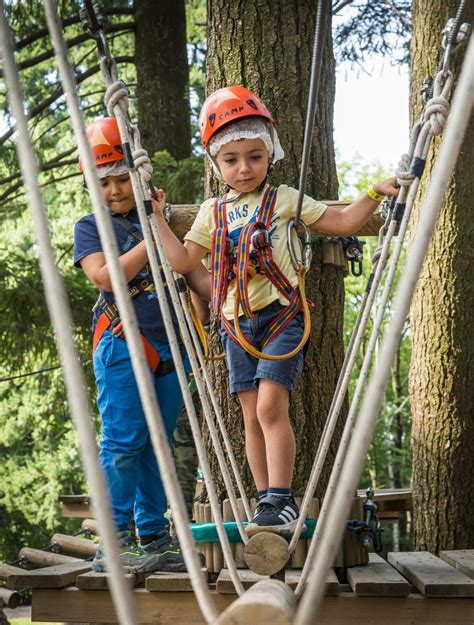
(100, 581)
(74, 499)
(432, 576)
(170, 582)
(462, 559)
(73, 544)
(167, 608)
(7, 569)
(332, 583)
(182, 217)
(50, 576)
(39, 558)
(377, 578)
(76, 510)
(247, 577)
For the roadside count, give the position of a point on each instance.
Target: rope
(141, 371)
(116, 101)
(316, 62)
(62, 321)
(217, 411)
(425, 133)
(463, 104)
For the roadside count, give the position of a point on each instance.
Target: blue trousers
(126, 453)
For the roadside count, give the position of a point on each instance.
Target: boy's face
(243, 164)
(118, 193)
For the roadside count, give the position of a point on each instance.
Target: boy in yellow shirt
(248, 225)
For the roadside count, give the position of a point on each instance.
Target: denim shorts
(245, 370)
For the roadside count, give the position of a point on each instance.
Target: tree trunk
(442, 375)
(267, 46)
(162, 76)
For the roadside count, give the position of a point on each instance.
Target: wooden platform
(413, 588)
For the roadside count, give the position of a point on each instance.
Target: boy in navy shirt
(126, 452)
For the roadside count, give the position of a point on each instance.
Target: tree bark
(267, 46)
(162, 76)
(442, 375)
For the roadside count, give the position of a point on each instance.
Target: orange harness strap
(103, 323)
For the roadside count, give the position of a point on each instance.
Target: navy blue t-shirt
(147, 310)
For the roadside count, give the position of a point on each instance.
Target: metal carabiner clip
(300, 251)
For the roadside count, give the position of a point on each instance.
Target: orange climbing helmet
(227, 105)
(105, 141)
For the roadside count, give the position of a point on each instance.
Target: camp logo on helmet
(231, 113)
(252, 104)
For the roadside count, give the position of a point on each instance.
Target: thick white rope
(141, 370)
(434, 114)
(140, 176)
(185, 335)
(217, 410)
(61, 318)
(462, 107)
(410, 185)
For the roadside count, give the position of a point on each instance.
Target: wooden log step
(92, 525)
(73, 544)
(9, 598)
(461, 559)
(39, 558)
(268, 602)
(100, 581)
(292, 579)
(377, 578)
(7, 569)
(170, 582)
(432, 576)
(49, 577)
(225, 586)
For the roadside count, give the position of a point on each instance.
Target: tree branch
(59, 92)
(68, 22)
(340, 5)
(127, 26)
(48, 165)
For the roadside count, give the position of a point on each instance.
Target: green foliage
(182, 180)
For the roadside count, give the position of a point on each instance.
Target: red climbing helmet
(227, 105)
(105, 141)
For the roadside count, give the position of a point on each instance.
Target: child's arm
(202, 307)
(97, 270)
(182, 258)
(350, 219)
(199, 281)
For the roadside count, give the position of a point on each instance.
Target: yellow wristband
(372, 193)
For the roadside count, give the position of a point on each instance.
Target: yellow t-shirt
(244, 210)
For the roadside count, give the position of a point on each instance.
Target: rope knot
(117, 93)
(436, 113)
(142, 164)
(404, 175)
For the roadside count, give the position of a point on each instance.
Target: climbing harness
(253, 256)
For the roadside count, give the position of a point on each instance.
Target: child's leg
(273, 418)
(254, 439)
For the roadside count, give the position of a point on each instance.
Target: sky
(371, 112)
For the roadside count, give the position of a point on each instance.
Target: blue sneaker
(132, 557)
(274, 514)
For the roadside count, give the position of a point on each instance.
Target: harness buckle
(301, 252)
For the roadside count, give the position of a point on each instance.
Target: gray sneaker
(169, 548)
(132, 557)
